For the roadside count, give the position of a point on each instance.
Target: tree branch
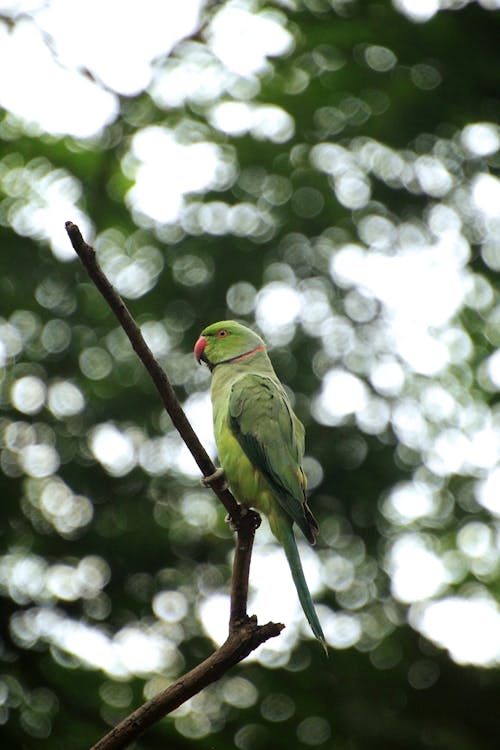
(244, 636)
(244, 633)
(249, 523)
(87, 255)
(239, 644)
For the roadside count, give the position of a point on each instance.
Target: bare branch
(87, 255)
(244, 633)
(239, 644)
(249, 523)
(244, 636)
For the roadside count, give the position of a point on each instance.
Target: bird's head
(225, 342)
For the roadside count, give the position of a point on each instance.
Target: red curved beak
(199, 348)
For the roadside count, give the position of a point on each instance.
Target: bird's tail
(292, 555)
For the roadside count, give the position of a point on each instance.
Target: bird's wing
(272, 437)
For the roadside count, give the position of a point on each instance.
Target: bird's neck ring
(240, 357)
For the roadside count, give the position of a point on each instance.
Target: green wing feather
(262, 420)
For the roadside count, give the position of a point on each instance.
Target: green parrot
(260, 441)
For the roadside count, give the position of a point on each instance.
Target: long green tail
(292, 555)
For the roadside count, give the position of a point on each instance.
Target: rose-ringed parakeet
(260, 440)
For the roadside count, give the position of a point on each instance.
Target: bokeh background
(323, 170)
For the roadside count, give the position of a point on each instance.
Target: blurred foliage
(352, 218)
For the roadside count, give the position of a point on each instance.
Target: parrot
(260, 441)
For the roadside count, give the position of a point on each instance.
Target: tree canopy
(325, 171)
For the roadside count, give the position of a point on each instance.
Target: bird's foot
(233, 525)
(211, 478)
(247, 517)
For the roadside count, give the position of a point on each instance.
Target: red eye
(222, 333)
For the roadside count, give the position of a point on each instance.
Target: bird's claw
(248, 517)
(211, 478)
(233, 525)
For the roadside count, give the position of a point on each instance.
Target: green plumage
(260, 440)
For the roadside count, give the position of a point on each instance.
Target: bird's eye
(222, 333)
